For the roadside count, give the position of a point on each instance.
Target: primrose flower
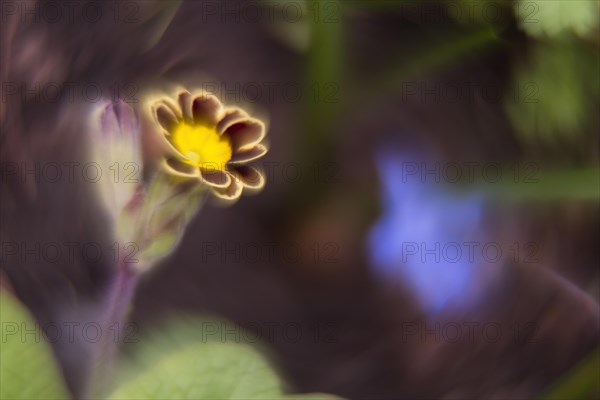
(210, 143)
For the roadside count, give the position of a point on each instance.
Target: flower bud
(116, 147)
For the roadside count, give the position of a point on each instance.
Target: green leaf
(200, 359)
(535, 185)
(204, 371)
(581, 382)
(325, 73)
(552, 18)
(563, 76)
(28, 369)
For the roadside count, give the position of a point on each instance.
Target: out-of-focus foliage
(190, 360)
(535, 185)
(580, 383)
(562, 72)
(562, 87)
(196, 359)
(324, 73)
(27, 366)
(203, 371)
(551, 18)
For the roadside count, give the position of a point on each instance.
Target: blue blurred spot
(428, 238)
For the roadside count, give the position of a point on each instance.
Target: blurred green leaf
(565, 81)
(28, 369)
(324, 76)
(581, 383)
(192, 358)
(554, 17)
(533, 184)
(204, 371)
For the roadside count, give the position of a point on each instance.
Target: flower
(210, 143)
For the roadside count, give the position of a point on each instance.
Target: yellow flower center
(202, 146)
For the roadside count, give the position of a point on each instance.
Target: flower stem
(112, 322)
(120, 294)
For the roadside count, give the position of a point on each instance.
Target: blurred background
(429, 227)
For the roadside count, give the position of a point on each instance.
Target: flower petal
(216, 178)
(246, 156)
(109, 120)
(175, 167)
(245, 134)
(127, 117)
(231, 116)
(206, 109)
(185, 99)
(232, 192)
(167, 114)
(250, 177)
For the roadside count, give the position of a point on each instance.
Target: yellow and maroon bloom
(210, 143)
